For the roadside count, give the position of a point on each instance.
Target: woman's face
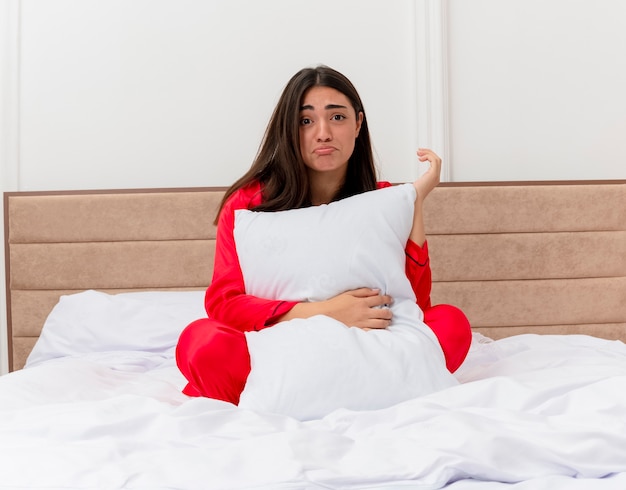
(329, 127)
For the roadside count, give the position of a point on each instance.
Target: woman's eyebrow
(327, 107)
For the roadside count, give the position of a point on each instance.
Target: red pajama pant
(215, 359)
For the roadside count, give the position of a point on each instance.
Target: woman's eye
(304, 121)
(338, 117)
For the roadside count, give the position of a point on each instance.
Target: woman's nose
(323, 131)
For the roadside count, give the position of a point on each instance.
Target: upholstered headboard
(517, 257)
(538, 257)
(121, 240)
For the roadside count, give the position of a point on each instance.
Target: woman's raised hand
(423, 185)
(431, 178)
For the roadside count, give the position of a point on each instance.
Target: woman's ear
(359, 123)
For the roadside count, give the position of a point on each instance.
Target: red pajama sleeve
(226, 299)
(417, 268)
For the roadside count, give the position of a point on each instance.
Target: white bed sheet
(532, 412)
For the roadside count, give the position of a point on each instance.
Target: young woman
(316, 149)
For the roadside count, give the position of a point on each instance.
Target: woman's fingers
(364, 292)
(374, 325)
(377, 318)
(379, 300)
(379, 313)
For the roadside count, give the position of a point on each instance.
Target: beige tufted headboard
(120, 240)
(532, 257)
(517, 257)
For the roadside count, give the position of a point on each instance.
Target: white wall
(161, 93)
(177, 92)
(537, 89)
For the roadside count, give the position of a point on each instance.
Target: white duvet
(530, 412)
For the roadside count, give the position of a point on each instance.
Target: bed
(100, 283)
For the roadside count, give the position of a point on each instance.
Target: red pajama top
(226, 300)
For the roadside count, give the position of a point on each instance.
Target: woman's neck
(324, 187)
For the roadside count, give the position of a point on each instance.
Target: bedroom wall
(159, 93)
(536, 89)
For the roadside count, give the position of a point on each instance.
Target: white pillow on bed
(308, 368)
(94, 321)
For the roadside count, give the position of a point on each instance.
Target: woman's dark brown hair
(279, 165)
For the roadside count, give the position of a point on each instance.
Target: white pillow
(94, 321)
(308, 368)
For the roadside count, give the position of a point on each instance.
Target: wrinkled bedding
(530, 412)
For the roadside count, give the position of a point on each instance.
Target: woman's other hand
(364, 308)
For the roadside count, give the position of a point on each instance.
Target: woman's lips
(324, 150)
